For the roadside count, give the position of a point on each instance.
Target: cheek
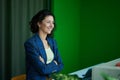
(46, 25)
(43, 26)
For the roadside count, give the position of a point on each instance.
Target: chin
(49, 33)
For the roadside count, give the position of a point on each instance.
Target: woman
(42, 55)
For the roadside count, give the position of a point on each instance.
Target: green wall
(87, 32)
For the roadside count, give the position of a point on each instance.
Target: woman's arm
(34, 58)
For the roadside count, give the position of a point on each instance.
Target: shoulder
(52, 40)
(31, 40)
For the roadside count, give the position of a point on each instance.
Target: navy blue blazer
(35, 69)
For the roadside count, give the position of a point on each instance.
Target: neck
(42, 35)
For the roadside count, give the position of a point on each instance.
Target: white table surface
(80, 73)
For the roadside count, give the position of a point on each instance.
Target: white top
(49, 54)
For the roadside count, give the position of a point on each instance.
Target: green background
(87, 32)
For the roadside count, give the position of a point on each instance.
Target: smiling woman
(42, 55)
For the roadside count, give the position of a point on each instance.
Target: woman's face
(47, 25)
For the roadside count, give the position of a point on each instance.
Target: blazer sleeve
(57, 56)
(33, 57)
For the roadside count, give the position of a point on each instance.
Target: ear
(39, 24)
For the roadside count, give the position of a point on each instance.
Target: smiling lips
(50, 28)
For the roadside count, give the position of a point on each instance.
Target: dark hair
(38, 18)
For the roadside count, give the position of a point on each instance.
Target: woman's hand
(41, 59)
